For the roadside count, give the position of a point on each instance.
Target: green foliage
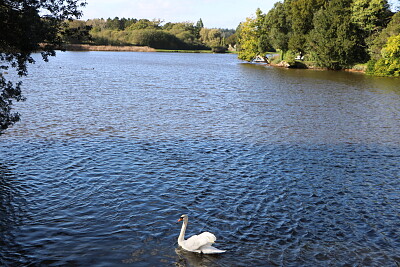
(253, 37)
(370, 15)
(211, 37)
(389, 64)
(393, 28)
(334, 34)
(199, 24)
(145, 24)
(278, 26)
(77, 32)
(198, 27)
(248, 40)
(290, 57)
(334, 38)
(186, 32)
(157, 39)
(181, 35)
(22, 30)
(301, 14)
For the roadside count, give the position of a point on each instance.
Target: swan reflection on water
(187, 258)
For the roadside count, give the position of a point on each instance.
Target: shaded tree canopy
(335, 40)
(26, 26)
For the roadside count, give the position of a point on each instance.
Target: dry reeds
(85, 47)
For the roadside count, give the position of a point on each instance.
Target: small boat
(260, 59)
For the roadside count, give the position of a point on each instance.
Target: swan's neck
(181, 237)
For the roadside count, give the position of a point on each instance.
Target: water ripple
(286, 167)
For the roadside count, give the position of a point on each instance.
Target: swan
(201, 243)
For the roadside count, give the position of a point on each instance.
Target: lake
(286, 167)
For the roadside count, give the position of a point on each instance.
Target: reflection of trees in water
(7, 196)
(186, 258)
(11, 218)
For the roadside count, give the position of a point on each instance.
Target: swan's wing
(208, 249)
(197, 241)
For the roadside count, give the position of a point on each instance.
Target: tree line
(333, 34)
(153, 33)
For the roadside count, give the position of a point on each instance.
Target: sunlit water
(285, 167)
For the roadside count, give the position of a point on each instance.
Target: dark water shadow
(11, 219)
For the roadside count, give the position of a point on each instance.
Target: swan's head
(184, 217)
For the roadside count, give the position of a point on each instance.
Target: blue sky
(214, 13)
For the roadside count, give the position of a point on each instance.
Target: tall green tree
(77, 32)
(22, 29)
(371, 15)
(277, 23)
(335, 40)
(301, 13)
(199, 24)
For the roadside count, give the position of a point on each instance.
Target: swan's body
(201, 243)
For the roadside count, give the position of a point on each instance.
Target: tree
(301, 14)
(393, 28)
(335, 41)
(278, 26)
(22, 30)
(211, 37)
(389, 63)
(200, 24)
(77, 32)
(145, 24)
(371, 15)
(157, 39)
(198, 27)
(253, 37)
(248, 40)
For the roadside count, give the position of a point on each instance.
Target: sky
(214, 13)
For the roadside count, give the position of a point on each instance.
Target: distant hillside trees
(153, 33)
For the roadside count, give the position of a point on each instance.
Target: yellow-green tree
(253, 37)
(389, 64)
(248, 40)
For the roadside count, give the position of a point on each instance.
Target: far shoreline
(132, 48)
(127, 48)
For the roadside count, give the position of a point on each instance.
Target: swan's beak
(180, 219)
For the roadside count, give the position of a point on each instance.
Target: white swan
(201, 243)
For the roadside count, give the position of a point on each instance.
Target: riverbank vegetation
(152, 33)
(332, 34)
